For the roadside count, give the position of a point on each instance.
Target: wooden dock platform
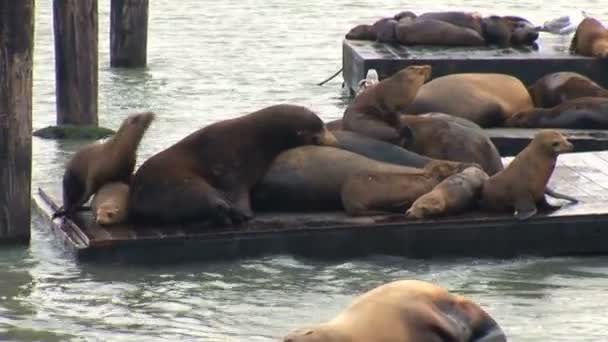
(528, 65)
(579, 229)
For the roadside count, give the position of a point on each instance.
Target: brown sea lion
(520, 187)
(373, 193)
(484, 98)
(109, 203)
(405, 311)
(590, 39)
(553, 89)
(209, 173)
(310, 178)
(374, 111)
(362, 32)
(583, 113)
(436, 32)
(97, 164)
(453, 195)
(443, 136)
(385, 30)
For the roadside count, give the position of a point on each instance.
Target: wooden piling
(16, 56)
(128, 33)
(75, 27)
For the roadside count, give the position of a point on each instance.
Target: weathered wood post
(128, 33)
(16, 56)
(75, 28)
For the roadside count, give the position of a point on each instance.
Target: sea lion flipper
(544, 205)
(558, 195)
(524, 209)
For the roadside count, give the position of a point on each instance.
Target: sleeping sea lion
(442, 136)
(405, 311)
(109, 203)
(484, 98)
(590, 39)
(435, 32)
(374, 111)
(453, 195)
(97, 164)
(520, 187)
(556, 88)
(362, 32)
(208, 174)
(582, 112)
(380, 192)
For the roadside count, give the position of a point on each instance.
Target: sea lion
(385, 30)
(520, 187)
(583, 113)
(453, 195)
(362, 32)
(310, 178)
(109, 203)
(209, 173)
(556, 88)
(442, 136)
(486, 99)
(374, 111)
(380, 192)
(590, 39)
(99, 163)
(436, 32)
(405, 311)
(523, 32)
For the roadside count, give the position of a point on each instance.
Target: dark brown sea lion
(590, 39)
(520, 187)
(436, 32)
(443, 136)
(553, 89)
(109, 203)
(385, 30)
(405, 311)
(380, 192)
(374, 111)
(310, 178)
(523, 32)
(97, 164)
(453, 195)
(583, 113)
(362, 32)
(208, 174)
(486, 99)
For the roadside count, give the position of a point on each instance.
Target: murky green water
(211, 60)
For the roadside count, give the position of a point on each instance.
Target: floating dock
(578, 229)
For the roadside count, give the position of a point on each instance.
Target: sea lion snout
(325, 138)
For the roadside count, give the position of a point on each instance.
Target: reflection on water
(210, 60)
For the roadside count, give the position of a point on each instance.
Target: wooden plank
(128, 33)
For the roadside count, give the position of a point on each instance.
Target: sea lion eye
(555, 144)
(110, 214)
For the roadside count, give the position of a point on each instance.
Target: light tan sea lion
(109, 204)
(405, 311)
(590, 39)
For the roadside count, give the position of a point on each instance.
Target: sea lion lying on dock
(208, 174)
(109, 204)
(380, 192)
(405, 311)
(375, 111)
(582, 112)
(453, 195)
(310, 178)
(99, 163)
(590, 39)
(521, 186)
(556, 88)
(484, 98)
(442, 136)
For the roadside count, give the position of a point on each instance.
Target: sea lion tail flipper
(524, 209)
(558, 195)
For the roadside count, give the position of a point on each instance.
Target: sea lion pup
(556, 88)
(405, 311)
(99, 163)
(590, 39)
(109, 203)
(208, 174)
(583, 113)
(310, 178)
(374, 193)
(453, 195)
(447, 137)
(374, 112)
(520, 187)
(486, 99)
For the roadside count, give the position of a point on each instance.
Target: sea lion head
(362, 32)
(405, 15)
(109, 213)
(523, 32)
(308, 127)
(425, 207)
(495, 30)
(442, 169)
(552, 142)
(143, 119)
(400, 89)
